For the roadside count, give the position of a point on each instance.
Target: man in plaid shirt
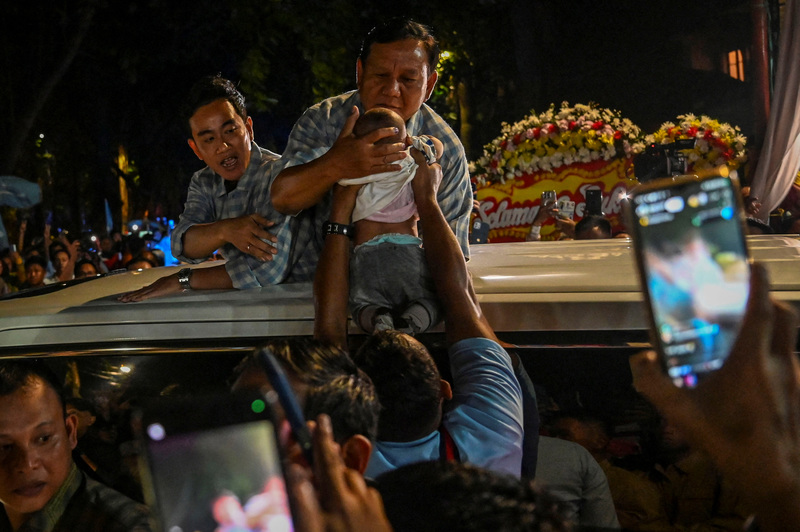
(228, 207)
(395, 70)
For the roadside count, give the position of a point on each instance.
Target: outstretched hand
(162, 287)
(338, 498)
(746, 415)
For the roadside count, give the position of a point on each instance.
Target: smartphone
(213, 463)
(689, 239)
(288, 402)
(548, 198)
(594, 202)
(479, 233)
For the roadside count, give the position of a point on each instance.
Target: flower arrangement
(557, 137)
(717, 142)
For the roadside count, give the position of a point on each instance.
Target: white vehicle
(568, 292)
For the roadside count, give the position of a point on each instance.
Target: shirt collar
(45, 519)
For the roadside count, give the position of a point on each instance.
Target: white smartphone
(690, 244)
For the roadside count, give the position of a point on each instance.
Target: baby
(390, 286)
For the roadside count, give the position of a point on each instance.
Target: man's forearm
(332, 282)
(303, 186)
(463, 316)
(201, 240)
(331, 291)
(212, 278)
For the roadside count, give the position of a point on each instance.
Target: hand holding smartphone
(689, 238)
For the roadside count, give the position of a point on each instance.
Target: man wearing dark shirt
(41, 489)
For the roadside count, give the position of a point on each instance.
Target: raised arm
(463, 316)
(332, 279)
(304, 185)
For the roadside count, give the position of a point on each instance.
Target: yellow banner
(509, 208)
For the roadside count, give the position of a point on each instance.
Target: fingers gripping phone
(213, 463)
(689, 238)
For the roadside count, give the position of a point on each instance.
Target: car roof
(524, 287)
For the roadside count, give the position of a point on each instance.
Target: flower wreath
(558, 137)
(716, 142)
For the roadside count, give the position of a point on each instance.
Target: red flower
(572, 124)
(552, 128)
(597, 125)
(517, 139)
(708, 134)
(692, 131)
(536, 132)
(503, 144)
(617, 135)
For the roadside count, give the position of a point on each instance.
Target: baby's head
(377, 118)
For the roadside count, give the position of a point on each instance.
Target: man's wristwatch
(332, 228)
(183, 278)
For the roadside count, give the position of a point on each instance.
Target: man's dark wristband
(332, 228)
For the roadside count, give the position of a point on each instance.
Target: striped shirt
(85, 505)
(208, 201)
(319, 127)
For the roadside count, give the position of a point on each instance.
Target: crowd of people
(402, 440)
(46, 259)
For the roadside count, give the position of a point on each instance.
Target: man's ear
(431, 84)
(71, 422)
(248, 125)
(193, 146)
(445, 390)
(356, 451)
(359, 72)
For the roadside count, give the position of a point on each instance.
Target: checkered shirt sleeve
(319, 127)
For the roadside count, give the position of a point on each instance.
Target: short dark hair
(408, 385)
(55, 247)
(350, 401)
(85, 261)
(36, 259)
(210, 89)
(398, 29)
(590, 222)
(19, 373)
(439, 495)
(308, 359)
(336, 386)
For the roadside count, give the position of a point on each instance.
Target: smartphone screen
(226, 475)
(690, 244)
